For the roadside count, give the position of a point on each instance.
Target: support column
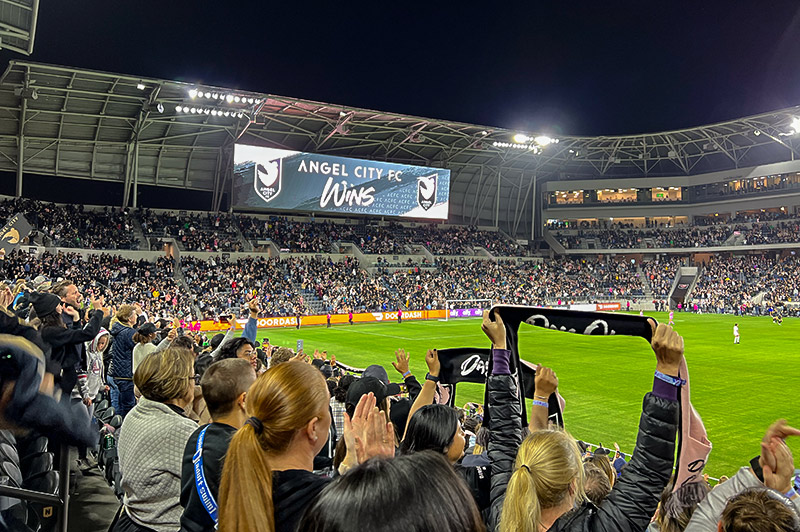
(136, 173)
(497, 203)
(533, 210)
(21, 146)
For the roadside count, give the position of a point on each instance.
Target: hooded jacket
(94, 378)
(635, 496)
(122, 352)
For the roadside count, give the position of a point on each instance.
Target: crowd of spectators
(221, 287)
(765, 233)
(646, 238)
(193, 232)
(149, 284)
(660, 273)
(73, 226)
(748, 285)
(233, 435)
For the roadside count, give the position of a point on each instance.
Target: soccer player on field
(735, 333)
(671, 317)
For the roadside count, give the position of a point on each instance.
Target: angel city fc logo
(11, 236)
(426, 191)
(268, 179)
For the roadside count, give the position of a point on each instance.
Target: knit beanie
(44, 303)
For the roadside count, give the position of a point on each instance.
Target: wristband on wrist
(432, 378)
(791, 493)
(540, 403)
(406, 374)
(675, 381)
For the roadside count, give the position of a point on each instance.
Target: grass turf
(738, 390)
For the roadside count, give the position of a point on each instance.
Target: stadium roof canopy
(18, 25)
(80, 123)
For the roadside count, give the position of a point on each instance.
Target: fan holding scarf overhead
(520, 500)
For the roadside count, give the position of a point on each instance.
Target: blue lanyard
(200, 479)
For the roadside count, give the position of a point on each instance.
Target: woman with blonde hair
(538, 483)
(152, 440)
(268, 479)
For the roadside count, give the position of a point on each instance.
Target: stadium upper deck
(133, 130)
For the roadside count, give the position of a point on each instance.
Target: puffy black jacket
(122, 352)
(635, 496)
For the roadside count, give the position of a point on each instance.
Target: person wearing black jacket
(519, 470)
(224, 384)
(66, 343)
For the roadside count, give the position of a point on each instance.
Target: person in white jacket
(777, 473)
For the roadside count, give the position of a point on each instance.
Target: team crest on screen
(426, 191)
(268, 179)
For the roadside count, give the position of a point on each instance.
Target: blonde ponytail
(283, 400)
(245, 492)
(547, 465)
(521, 509)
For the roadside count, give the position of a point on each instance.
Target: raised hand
(777, 465)
(367, 434)
(432, 360)
(252, 305)
(71, 312)
(545, 382)
(495, 330)
(401, 363)
(779, 431)
(668, 346)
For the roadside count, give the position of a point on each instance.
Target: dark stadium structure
(99, 126)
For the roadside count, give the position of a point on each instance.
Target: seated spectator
(224, 386)
(400, 494)
(152, 441)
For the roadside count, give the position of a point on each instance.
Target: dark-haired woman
(414, 493)
(65, 343)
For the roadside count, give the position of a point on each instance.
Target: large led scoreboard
(284, 180)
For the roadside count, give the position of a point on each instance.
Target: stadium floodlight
(237, 99)
(178, 109)
(207, 111)
(215, 95)
(519, 138)
(251, 101)
(193, 110)
(229, 98)
(213, 112)
(795, 125)
(141, 86)
(192, 93)
(543, 140)
(227, 113)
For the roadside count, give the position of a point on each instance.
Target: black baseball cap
(365, 385)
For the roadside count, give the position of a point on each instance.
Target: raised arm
(545, 384)
(401, 365)
(428, 391)
(251, 327)
(505, 424)
(778, 469)
(635, 496)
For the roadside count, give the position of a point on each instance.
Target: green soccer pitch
(738, 390)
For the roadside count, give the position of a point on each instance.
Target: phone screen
(299, 345)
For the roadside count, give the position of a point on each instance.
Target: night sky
(587, 68)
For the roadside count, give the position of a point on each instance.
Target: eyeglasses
(195, 378)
